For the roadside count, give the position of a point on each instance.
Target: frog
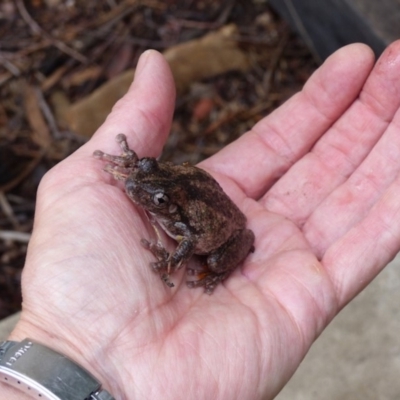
(190, 206)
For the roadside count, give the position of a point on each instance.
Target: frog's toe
(158, 266)
(207, 280)
(165, 279)
(156, 249)
(145, 243)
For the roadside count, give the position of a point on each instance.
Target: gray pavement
(7, 325)
(358, 355)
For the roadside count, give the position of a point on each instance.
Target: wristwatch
(43, 373)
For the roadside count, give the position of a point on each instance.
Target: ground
(56, 53)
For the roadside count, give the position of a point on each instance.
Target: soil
(58, 51)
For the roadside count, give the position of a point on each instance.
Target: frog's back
(213, 217)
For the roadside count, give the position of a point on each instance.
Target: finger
(264, 154)
(340, 152)
(353, 200)
(357, 257)
(144, 114)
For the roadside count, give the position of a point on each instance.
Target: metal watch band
(41, 372)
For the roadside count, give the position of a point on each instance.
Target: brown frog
(191, 207)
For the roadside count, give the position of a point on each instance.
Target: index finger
(264, 154)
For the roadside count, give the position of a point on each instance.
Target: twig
(241, 113)
(28, 169)
(7, 210)
(54, 78)
(209, 25)
(9, 66)
(51, 121)
(37, 30)
(5, 77)
(15, 236)
(229, 116)
(121, 11)
(276, 56)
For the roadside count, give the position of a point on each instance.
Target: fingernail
(143, 59)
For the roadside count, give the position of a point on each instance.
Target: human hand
(320, 194)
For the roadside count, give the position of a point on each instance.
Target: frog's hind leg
(223, 261)
(232, 253)
(207, 279)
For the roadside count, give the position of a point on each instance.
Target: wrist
(59, 360)
(9, 393)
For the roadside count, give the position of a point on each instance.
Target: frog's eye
(160, 199)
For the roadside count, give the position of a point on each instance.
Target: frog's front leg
(121, 166)
(182, 254)
(224, 260)
(162, 256)
(168, 263)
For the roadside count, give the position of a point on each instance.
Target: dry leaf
(211, 55)
(85, 116)
(192, 61)
(81, 76)
(40, 131)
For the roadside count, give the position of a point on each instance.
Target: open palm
(318, 181)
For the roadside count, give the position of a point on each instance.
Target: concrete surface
(358, 355)
(328, 25)
(7, 325)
